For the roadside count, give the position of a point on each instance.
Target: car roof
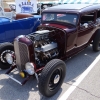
(74, 7)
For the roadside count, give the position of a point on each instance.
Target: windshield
(59, 17)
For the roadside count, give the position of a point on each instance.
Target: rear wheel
(96, 42)
(4, 49)
(52, 77)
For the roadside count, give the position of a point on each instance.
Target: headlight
(29, 68)
(9, 58)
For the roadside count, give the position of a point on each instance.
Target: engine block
(45, 48)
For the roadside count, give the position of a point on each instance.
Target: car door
(86, 28)
(6, 30)
(2, 31)
(9, 29)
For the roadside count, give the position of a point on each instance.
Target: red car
(65, 31)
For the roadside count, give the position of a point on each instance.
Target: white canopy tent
(69, 1)
(62, 1)
(81, 1)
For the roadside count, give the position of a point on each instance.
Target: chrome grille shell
(22, 54)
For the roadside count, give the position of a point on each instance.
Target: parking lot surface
(88, 89)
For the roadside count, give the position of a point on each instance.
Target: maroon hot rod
(65, 31)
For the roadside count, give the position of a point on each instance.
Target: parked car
(42, 6)
(12, 25)
(13, 7)
(65, 31)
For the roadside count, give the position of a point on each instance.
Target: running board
(14, 79)
(21, 83)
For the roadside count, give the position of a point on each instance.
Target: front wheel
(52, 77)
(4, 49)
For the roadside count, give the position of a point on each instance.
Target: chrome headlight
(9, 58)
(29, 68)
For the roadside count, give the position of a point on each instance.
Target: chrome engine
(44, 47)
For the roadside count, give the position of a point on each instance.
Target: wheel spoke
(55, 78)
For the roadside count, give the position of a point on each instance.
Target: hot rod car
(12, 25)
(65, 31)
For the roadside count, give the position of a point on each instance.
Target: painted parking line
(78, 81)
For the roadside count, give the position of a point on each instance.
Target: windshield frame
(2, 12)
(58, 22)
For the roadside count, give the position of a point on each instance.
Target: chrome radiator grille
(22, 56)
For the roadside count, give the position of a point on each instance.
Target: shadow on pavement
(79, 63)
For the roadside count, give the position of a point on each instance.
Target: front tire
(96, 42)
(52, 77)
(4, 49)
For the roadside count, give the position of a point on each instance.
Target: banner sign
(26, 6)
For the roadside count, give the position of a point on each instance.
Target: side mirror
(85, 25)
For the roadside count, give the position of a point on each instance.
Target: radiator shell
(24, 51)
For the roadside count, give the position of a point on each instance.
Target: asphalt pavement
(88, 89)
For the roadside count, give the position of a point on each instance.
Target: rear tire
(52, 77)
(4, 49)
(96, 42)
